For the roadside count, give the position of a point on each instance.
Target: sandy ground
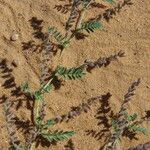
(128, 31)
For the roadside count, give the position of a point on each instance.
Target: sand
(128, 31)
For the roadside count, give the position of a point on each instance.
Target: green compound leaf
(58, 135)
(72, 73)
(132, 117)
(62, 40)
(48, 124)
(110, 1)
(90, 26)
(51, 122)
(38, 95)
(136, 128)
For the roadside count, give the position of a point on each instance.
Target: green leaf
(38, 95)
(25, 87)
(90, 26)
(110, 1)
(71, 73)
(86, 3)
(62, 40)
(136, 128)
(114, 124)
(65, 43)
(132, 117)
(38, 120)
(50, 122)
(58, 135)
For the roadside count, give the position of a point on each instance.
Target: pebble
(14, 37)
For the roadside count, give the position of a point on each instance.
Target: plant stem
(38, 103)
(36, 110)
(32, 146)
(81, 16)
(47, 84)
(79, 21)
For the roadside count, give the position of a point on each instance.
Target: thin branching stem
(81, 16)
(38, 103)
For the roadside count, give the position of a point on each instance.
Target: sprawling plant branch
(122, 120)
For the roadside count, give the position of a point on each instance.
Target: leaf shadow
(107, 15)
(3, 99)
(37, 27)
(36, 24)
(9, 83)
(147, 115)
(110, 12)
(44, 142)
(129, 134)
(38, 33)
(70, 145)
(24, 125)
(64, 9)
(103, 115)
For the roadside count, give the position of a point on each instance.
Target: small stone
(14, 37)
